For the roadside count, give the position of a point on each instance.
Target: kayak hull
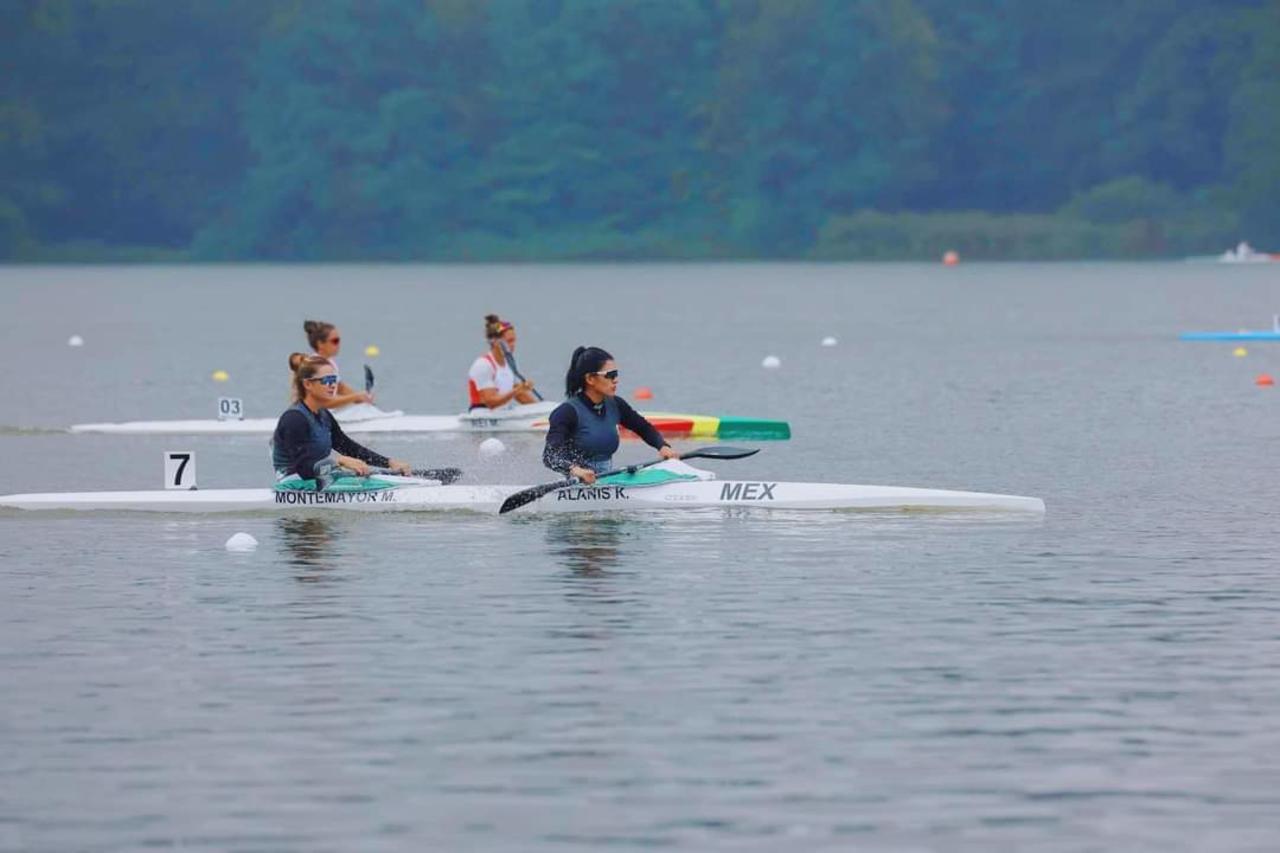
(1230, 336)
(669, 424)
(721, 494)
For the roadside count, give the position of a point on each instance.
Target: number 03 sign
(230, 409)
(179, 469)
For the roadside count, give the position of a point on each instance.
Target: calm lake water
(1105, 679)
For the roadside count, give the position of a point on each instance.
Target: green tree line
(554, 129)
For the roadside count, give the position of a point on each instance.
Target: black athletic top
(586, 434)
(303, 438)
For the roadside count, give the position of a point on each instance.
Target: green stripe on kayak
(342, 484)
(644, 477)
(753, 428)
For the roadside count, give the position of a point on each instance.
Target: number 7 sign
(179, 469)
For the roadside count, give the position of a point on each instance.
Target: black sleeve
(293, 435)
(634, 421)
(344, 445)
(560, 453)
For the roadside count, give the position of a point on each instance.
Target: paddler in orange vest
(492, 382)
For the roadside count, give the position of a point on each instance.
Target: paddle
(368, 379)
(511, 360)
(444, 475)
(715, 451)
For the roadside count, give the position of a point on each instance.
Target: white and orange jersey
(487, 373)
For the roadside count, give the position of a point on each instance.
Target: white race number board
(230, 409)
(179, 469)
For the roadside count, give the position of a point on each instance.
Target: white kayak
(689, 488)
(530, 418)
(357, 418)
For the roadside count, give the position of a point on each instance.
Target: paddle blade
(368, 379)
(444, 475)
(720, 451)
(529, 495)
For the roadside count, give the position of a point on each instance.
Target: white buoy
(828, 341)
(242, 542)
(491, 447)
(771, 362)
(75, 341)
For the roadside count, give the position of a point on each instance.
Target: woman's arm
(346, 446)
(560, 453)
(494, 399)
(636, 422)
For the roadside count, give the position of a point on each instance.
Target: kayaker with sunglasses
(308, 443)
(326, 341)
(491, 381)
(583, 433)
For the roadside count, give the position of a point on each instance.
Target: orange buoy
(642, 393)
(950, 258)
(1264, 379)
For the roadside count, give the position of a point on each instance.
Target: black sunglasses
(607, 374)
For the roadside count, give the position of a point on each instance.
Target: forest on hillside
(586, 129)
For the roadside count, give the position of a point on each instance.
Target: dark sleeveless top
(303, 438)
(585, 434)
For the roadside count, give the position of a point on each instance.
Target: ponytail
(316, 331)
(583, 362)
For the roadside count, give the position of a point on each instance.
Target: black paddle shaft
(531, 494)
(511, 360)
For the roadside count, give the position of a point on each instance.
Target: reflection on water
(310, 542)
(586, 545)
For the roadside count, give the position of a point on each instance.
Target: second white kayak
(531, 418)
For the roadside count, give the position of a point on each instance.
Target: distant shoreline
(862, 236)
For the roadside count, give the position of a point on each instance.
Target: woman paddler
(491, 383)
(583, 434)
(325, 341)
(308, 443)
